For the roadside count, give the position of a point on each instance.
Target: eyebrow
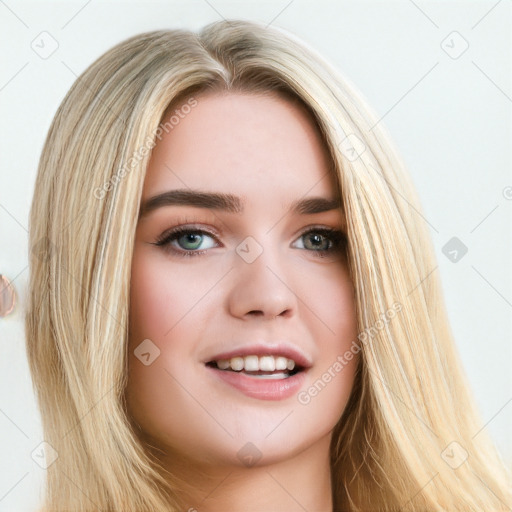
(228, 202)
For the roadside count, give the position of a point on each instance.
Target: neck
(301, 482)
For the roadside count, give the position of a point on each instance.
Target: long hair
(410, 438)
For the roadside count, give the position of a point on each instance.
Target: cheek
(159, 299)
(163, 297)
(331, 298)
(160, 295)
(331, 382)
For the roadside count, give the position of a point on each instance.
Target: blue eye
(190, 241)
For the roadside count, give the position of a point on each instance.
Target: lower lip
(263, 389)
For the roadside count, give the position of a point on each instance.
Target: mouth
(261, 372)
(264, 367)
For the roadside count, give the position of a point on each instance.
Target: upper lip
(261, 349)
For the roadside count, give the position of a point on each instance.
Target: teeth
(251, 363)
(271, 376)
(281, 363)
(267, 364)
(255, 363)
(237, 363)
(223, 364)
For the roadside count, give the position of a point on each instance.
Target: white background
(450, 119)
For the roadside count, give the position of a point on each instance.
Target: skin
(266, 150)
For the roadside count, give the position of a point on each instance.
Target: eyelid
(321, 227)
(184, 228)
(189, 222)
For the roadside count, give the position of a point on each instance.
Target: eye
(322, 240)
(193, 241)
(185, 241)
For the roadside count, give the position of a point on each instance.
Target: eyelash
(336, 236)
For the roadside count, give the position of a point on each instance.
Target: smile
(266, 377)
(266, 367)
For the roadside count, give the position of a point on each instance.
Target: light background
(449, 117)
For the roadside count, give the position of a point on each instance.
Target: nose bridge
(261, 282)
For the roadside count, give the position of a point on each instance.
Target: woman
(228, 308)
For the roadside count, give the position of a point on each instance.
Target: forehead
(260, 147)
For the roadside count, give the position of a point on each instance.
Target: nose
(261, 289)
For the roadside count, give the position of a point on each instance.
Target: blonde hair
(411, 399)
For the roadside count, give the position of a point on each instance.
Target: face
(241, 301)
